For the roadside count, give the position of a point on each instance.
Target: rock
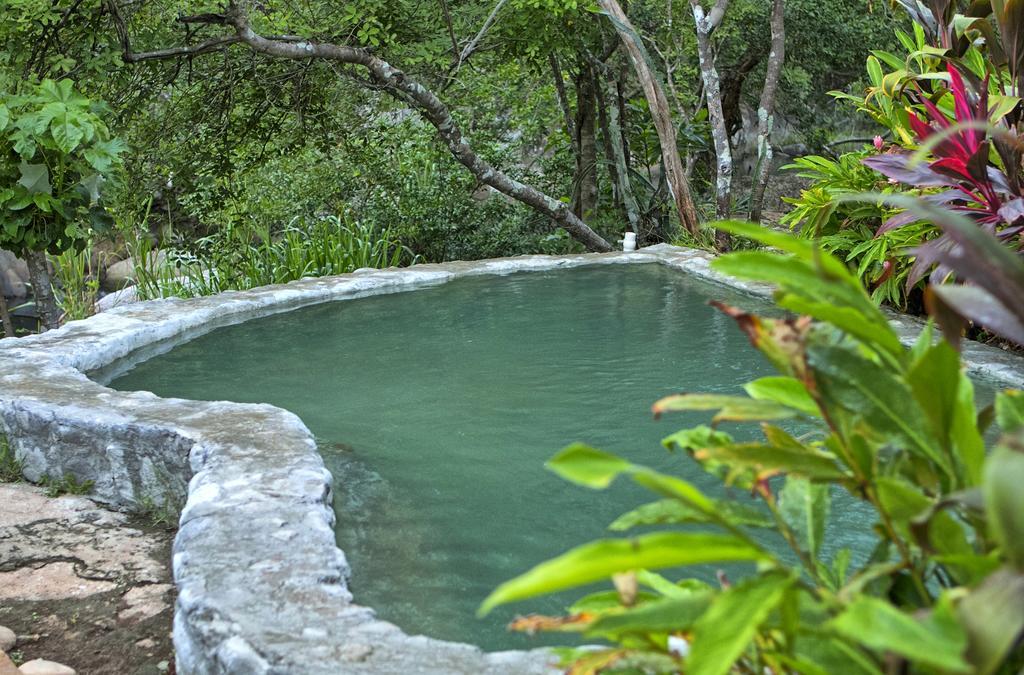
(40, 537)
(144, 602)
(125, 296)
(42, 667)
(146, 643)
(7, 666)
(122, 273)
(119, 275)
(13, 275)
(7, 639)
(53, 581)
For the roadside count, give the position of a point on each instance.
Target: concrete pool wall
(262, 587)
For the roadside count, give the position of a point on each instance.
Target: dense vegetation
(229, 145)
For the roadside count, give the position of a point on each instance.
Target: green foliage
(68, 484)
(239, 259)
(895, 429)
(10, 466)
(847, 228)
(58, 156)
(77, 287)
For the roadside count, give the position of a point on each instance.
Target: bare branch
(471, 47)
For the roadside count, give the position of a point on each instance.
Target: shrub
(238, 259)
(895, 429)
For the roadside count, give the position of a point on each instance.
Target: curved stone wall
(261, 583)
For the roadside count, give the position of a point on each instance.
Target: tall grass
(239, 258)
(77, 286)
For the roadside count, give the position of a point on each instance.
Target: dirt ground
(84, 586)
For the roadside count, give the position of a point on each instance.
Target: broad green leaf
(1010, 410)
(937, 641)
(666, 588)
(698, 437)
(601, 559)
(805, 507)
(788, 391)
(769, 460)
(730, 408)
(834, 656)
(805, 250)
(722, 633)
(668, 615)
(35, 178)
(861, 325)
(875, 71)
(873, 393)
(993, 615)
(596, 469)
(5, 116)
(966, 432)
(674, 512)
(969, 569)
(902, 501)
(1004, 498)
(588, 466)
(670, 486)
(602, 601)
(66, 133)
(947, 398)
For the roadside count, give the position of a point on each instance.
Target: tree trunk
(706, 25)
(732, 87)
(5, 316)
(563, 100)
(766, 110)
(585, 201)
(618, 157)
(661, 114)
(42, 288)
(606, 141)
(394, 82)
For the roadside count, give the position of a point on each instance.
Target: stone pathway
(83, 590)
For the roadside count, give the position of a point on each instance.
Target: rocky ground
(82, 587)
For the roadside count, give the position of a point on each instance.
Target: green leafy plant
(77, 285)
(239, 258)
(10, 466)
(58, 157)
(849, 229)
(894, 433)
(68, 484)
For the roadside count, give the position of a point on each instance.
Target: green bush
(895, 429)
(238, 258)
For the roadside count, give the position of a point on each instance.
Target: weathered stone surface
(41, 667)
(7, 666)
(68, 548)
(7, 639)
(125, 296)
(143, 602)
(262, 588)
(13, 275)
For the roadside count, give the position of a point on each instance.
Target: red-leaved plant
(961, 162)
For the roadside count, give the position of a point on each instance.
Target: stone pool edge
(261, 584)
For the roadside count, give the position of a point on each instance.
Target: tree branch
(402, 87)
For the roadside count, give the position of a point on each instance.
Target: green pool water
(436, 410)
